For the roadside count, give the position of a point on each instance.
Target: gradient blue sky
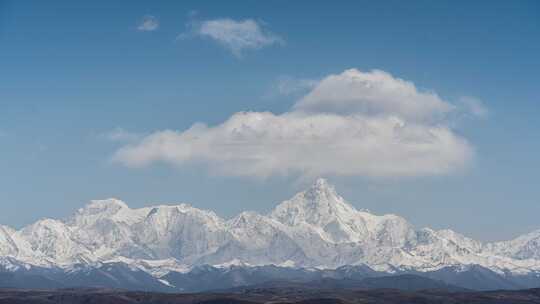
(71, 72)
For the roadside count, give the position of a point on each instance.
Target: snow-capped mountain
(322, 210)
(316, 228)
(524, 247)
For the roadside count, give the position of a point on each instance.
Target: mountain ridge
(315, 228)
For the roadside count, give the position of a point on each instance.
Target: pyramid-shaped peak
(101, 208)
(321, 188)
(321, 183)
(45, 226)
(319, 204)
(246, 218)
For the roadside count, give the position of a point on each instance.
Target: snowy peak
(102, 208)
(111, 210)
(315, 228)
(179, 231)
(318, 205)
(321, 194)
(523, 247)
(165, 214)
(5, 230)
(322, 187)
(337, 221)
(45, 227)
(246, 219)
(321, 208)
(460, 240)
(53, 240)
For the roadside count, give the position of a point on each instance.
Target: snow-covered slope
(323, 210)
(524, 247)
(182, 232)
(7, 245)
(315, 228)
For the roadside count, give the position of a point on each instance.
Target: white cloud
(473, 106)
(236, 36)
(148, 24)
(373, 93)
(355, 124)
(263, 144)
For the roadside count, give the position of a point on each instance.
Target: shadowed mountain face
(107, 276)
(208, 278)
(182, 248)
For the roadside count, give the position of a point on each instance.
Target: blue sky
(75, 74)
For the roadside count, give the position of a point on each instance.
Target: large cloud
(355, 123)
(373, 93)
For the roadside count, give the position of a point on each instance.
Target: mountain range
(314, 235)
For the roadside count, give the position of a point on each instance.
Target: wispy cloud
(121, 135)
(287, 85)
(473, 106)
(235, 35)
(353, 123)
(148, 23)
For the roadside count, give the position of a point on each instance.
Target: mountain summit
(338, 221)
(315, 228)
(318, 205)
